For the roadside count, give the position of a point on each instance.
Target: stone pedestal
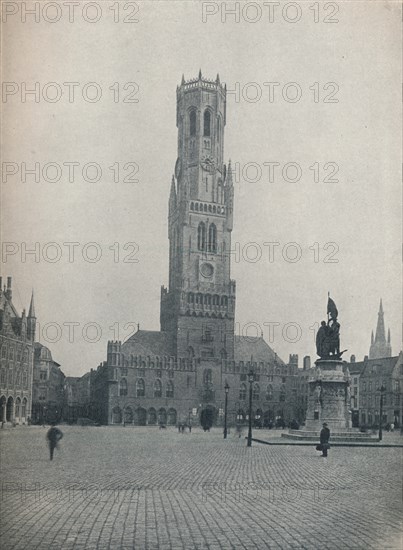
(329, 396)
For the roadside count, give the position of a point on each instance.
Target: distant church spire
(31, 320)
(31, 312)
(379, 346)
(380, 327)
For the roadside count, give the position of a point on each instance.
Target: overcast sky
(360, 134)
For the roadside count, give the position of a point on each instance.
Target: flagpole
(328, 313)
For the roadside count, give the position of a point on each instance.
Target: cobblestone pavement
(143, 488)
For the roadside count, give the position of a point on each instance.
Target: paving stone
(146, 489)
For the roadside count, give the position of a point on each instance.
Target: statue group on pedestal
(328, 335)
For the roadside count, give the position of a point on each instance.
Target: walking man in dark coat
(324, 439)
(53, 436)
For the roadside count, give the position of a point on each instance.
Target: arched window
(218, 129)
(282, 393)
(269, 396)
(207, 376)
(207, 120)
(212, 238)
(170, 389)
(157, 388)
(201, 236)
(192, 123)
(191, 352)
(223, 354)
(128, 415)
(172, 417)
(242, 392)
(24, 408)
(256, 392)
(123, 387)
(140, 388)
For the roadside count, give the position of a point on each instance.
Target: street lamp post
(383, 389)
(226, 388)
(251, 378)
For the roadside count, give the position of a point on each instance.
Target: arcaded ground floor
(145, 488)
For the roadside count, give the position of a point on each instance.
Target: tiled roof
(387, 364)
(247, 346)
(147, 342)
(152, 342)
(356, 367)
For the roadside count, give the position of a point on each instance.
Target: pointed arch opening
(169, 389)
(192, 123)
(212, 238)
(157, 388)
(201, 236)
(140, 388)
(123, 387)
(207, 123)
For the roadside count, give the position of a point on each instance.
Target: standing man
(324, 439)
(53, 436)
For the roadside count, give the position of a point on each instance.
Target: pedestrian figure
(190, 428)
(324, 440)
(53, 436)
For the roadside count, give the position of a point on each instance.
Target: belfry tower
(198, 307)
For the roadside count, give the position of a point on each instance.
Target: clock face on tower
(207, 270)
(208, 164)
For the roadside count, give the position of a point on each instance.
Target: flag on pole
(332, 309)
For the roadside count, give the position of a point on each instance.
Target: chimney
(1, 284)
(307, 362)
(365, 358)
(352, 359)
(293, 360)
